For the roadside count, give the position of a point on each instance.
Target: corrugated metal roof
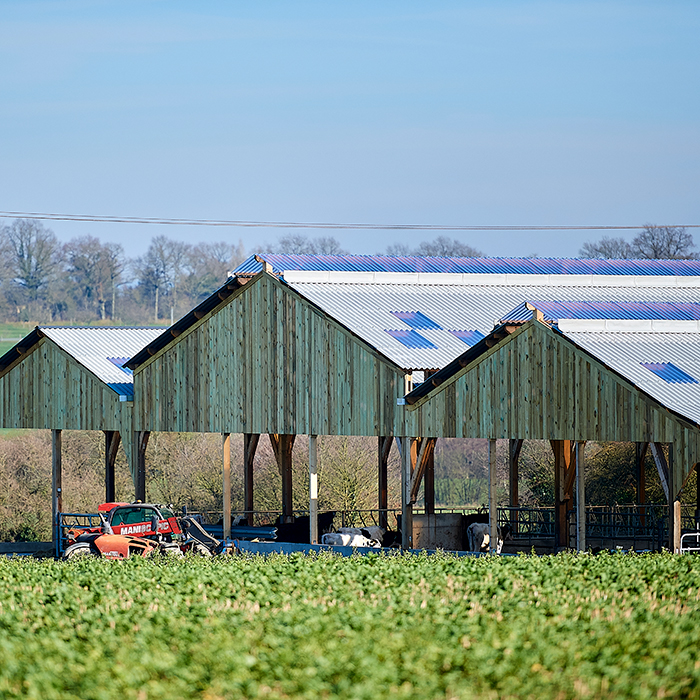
(529, 266)
(97, 348)
(625, 352)
(643, 310)
(369, 309)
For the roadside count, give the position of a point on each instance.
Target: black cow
(298, 531)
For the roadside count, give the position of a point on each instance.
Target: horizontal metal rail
(690, 543)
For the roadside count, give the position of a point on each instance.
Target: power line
(308, 225)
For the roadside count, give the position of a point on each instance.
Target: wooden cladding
(268, 361)
(49, 389)
(537, 385)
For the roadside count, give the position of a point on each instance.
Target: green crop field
(610, 626)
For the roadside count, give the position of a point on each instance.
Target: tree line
(87, 281)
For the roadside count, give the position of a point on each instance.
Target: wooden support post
(421, 452)
(383, 481)
(697, 496)
(227, 485)
(141, 442)
(640, 472)
(662, 466)
(493, 503)
(282, 446)
(112, 440)
(514, 448)
(250, 445)
(56, 489)
(313, 489)
(674, 503)
(580, 498)
(564, 473)
(429, 481)
(406, 505)
(640, 454)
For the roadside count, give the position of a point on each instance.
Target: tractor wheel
(78, 550)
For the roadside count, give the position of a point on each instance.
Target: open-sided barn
(73, 379)
(575, 380)
(411, 316)
(400, 348)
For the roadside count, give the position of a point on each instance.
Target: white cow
(479, 537)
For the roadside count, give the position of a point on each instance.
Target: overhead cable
(313, 225)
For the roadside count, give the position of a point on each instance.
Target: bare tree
(444, 247)
(298, 244)
(664, 243)
(35, 256)
(609, 248)
(161, 269)
(653, 243)
(398, 249)
(440, 247)
(328, 245)
(208, 267)
(94, 268)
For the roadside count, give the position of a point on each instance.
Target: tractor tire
(78, 550)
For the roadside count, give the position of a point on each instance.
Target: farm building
(560, 372)
(73, 379)
(382, 346)
(326, 345)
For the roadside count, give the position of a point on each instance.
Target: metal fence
(630, 526)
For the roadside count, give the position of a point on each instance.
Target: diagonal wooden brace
(427, 446)
(661, 465)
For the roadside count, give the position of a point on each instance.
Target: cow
(481, 517)
(298, 531)
(370, 536)
(349, 537)
(479, 537)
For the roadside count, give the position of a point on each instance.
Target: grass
(570, 626)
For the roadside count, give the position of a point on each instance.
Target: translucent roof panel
(411, 339)
(669, 372)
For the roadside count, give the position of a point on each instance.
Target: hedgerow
(569, 626)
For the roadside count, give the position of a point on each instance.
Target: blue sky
(454, 113)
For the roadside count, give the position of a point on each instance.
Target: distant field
(11, 333)
(570, 626)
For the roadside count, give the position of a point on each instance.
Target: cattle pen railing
(629, 526)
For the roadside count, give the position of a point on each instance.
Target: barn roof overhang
(19, 351)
